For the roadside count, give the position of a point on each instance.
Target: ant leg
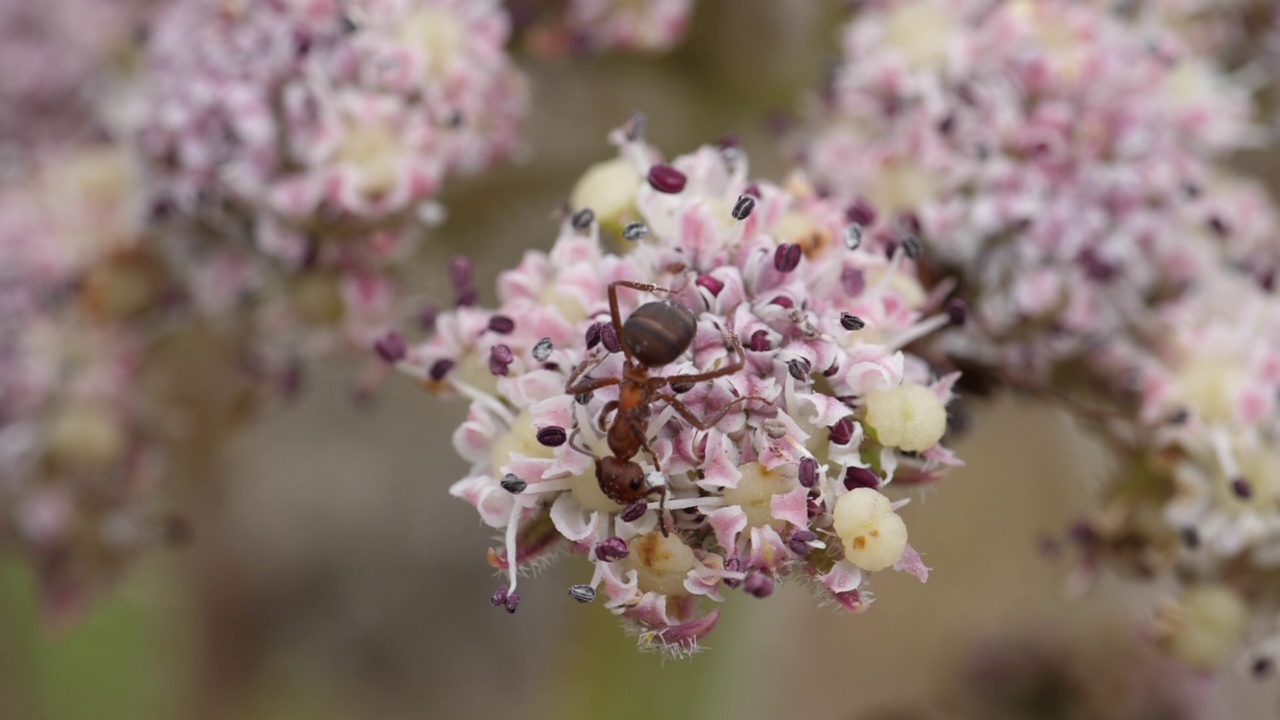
(591, 385)
(729, 369)
(583, 368)
(608, 407)
(616, 315)
(711, 422)
(663, 524)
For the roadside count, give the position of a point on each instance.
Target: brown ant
(655, 334)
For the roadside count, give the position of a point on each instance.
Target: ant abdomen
(657, 333)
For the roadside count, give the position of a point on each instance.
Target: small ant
(655, 334)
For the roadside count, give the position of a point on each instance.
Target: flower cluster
(59, 61)
(79, 452)
(593, 26)
(1055, 161)
(294, 148)
(719, 402)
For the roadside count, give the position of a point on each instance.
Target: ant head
(622, 481)
(659, 332)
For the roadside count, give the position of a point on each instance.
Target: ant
(655, 334)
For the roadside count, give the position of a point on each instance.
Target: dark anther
(611, 549)
(787, 257)
(947, 124)
(582, 593)
(593, 335)
(957, 312)
(609, 338)
(783, 301)
(1084, 533)
(500, 358)
(856, 477)
(681, 388)
(462, 277)
(440, 369)
(842, 431)
(729, 140)
(712, 285)
(1242, 488)
(499, 598)
(758, 584)
(1262, 667)
(666, 179)
(808, 472)
(634, 511)
(1219, 226)
(759, 341)
(742, 209)
(853, 280)
(912, 246)
(427, 317)
(634, 128)
(1190, 537)
(831, 371)
(552, 436)
(582, 398)
(851, 322)
(513, 602)
(1179, 416)
(799, 541)
(391, 347)
(502, 324)
(542, 350)
(861, 213)
(853, 236)
(583, 219)
(635, 231)
(513, 484)
(1192, 190)
(799, 368)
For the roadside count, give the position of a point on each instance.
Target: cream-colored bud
(522, 439)
(755, 492)
(661, 563)
(86, 437)
(608, 189)
(910, 417)
(874, 536)
(1207, 627)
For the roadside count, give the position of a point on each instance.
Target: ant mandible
(655, 334)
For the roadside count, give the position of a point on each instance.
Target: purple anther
(742, 209)
(712, 285)
(799, 541)
(842, 431)
(612, 549)
(853, 236)
(513, 602)
(542, 350)
(734, 565)
(499, 598)
(851, 322)
(798, 368)
(513, 484)
(500, 359)
(582, 219)
(861, 212)
(758, 584)
(853, 280)
(502, 324)
(440, 368)
(1219, 226)
(593, 335)
(808, 472)
(787, 257)
(752, 190)
(462, 277)
(666, 179)
(912, 246)
(957, 312)
(552, 436)
(609, 338)
(635, 231)
(759, 341)
(783, 301)
(634, 511)
(391, 347)
(856, 477)
(1242, 488)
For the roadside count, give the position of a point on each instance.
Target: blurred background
(330, 576)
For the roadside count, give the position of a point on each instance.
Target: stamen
(500, 359)
(582, 593)
(391, 348)
(666, 179)
(502, 324)
(851, 322)
(758, 584)
(635, 231)
(742, 209)
(612, 549)
(513, 484)
(542, 350)
(552, 436)
(787, 257)
(853, 236)
(582, 219)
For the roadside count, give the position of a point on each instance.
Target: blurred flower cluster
(560, 27)
(701, 387)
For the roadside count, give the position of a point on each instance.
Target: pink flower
(765, 275)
